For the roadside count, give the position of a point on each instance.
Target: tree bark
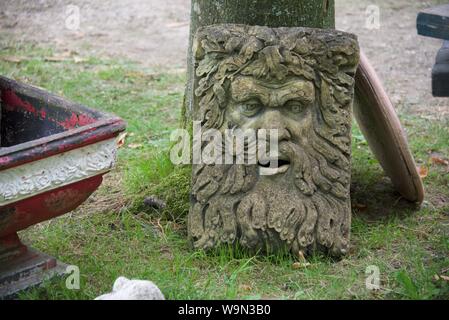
(279, 13)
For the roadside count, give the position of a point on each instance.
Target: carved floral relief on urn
(298, 83)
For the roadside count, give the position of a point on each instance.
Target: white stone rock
(125, 289)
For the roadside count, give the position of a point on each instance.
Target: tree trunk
(279, 13)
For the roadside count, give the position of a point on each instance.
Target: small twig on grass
(158, 224)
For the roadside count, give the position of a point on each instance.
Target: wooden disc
(380, 125)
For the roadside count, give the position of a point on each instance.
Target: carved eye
(295, 107)
(250, 109)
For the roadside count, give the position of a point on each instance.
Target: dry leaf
(301, 256)
(445, 278)
(77, 59)
(245, 287)
(135, 145)
(423, 171)
(64, 56)
(121, 139)
(300, 265)
(436, 159)
(13, 59)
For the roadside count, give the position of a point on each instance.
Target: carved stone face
(285, 106)
(299, 82)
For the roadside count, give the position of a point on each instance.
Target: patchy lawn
(114, 234)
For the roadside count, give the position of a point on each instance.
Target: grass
(113, 234)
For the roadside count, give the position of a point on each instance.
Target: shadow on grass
(377, 200)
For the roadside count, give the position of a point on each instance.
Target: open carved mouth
(272, 167)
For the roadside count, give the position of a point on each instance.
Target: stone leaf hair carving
(309, 208)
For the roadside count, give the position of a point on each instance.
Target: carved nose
(273, 119)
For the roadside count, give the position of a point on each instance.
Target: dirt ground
(155, 32)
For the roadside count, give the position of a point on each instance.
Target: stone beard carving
(301, 82)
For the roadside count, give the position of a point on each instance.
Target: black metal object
(434, 22)
(440, 72)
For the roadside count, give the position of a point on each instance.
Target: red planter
(53, 154)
